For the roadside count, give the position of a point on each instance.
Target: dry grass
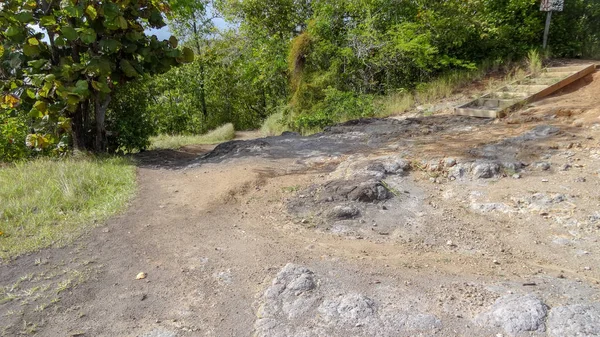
(218, 135)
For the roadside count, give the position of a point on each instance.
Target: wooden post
(547, 29)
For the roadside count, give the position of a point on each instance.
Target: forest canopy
(87, 74)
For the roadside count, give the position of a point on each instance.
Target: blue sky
(164, 33)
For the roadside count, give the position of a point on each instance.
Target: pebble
(545, 180)
(565, 167)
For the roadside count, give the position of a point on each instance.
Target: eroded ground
(442, 225)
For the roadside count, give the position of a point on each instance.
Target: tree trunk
(202, 75)
(78, 128)
(101, 104)
(203, 92)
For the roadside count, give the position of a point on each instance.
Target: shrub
(129, 123)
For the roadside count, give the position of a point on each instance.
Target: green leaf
(74, 11)
(81, 88)
(91, 12)
(188, 55)
(134, 36)
(73, 99)
(109, 46)
(12, 31)
(88, 35)
(173, 41)
(60, 41)
(102, 87)
(33, 41)
(37, 64)
(41, 106)
(69, 33)
(105, 66)
(47, 21)
(174, 53)
(45, 90)
(24, 17)
(30, 93)
(127, 68)
(35, 113)
(121, 22)
(30, 50)
(1, 50)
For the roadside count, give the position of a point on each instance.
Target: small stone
(544, 166)
(344, 212)
(516, 176)
(449, 162)
(545, 180)
(565, 167)
(580, 180)
(485, 170)
(450, 243)
(587, 268)
(496, 262)
(304, 221)
(141, 276)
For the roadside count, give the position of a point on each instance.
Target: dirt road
(441, 225)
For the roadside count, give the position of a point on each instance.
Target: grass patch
(534, 62)
(274, 125)
(221, 134)
(49, 202)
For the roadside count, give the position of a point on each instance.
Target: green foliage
(129, 122)
(63, 74)
(49, 202)
(13, 130)
(336, 106)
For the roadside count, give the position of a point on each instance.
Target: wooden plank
(557, 86)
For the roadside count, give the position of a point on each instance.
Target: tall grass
(275, 125)
(45, 202)
(534, 62)
(221, 134)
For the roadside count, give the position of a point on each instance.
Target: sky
(164, 33)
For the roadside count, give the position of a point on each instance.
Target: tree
(61, 62)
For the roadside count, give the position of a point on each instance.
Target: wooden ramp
(496, 104)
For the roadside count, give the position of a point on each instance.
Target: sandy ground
(436, 251)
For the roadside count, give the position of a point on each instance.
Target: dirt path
(443, 225)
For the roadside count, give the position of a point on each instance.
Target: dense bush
(13, 131)
(129, 123)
